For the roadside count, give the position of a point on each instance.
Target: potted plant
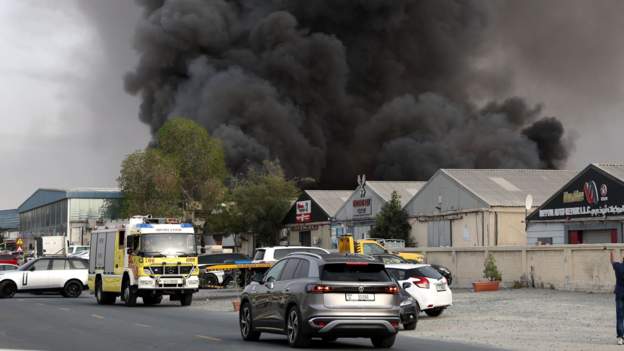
(491, 273)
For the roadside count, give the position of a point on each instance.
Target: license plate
(360, 297)
(441, 287)
(171, 281)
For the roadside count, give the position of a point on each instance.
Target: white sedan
(425, 284)
(55, 274)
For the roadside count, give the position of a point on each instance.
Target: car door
(262, 293)
(281, 293)
(36, 277)
(58, 272)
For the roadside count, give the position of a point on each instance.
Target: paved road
(46, 322)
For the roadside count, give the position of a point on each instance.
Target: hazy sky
(67, 121)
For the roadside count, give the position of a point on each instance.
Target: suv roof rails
(306, 254)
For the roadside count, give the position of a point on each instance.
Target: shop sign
(303, 211)
(303, 227)
(591, 195)
(362, 208)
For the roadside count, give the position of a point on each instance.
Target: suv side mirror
(129, 251)
(406, 285)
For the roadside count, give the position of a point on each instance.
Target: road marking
(97, 316)
(64, 309)
(211, 338)
(142, 325)
(40, 304)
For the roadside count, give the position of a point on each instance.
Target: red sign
(304, 211)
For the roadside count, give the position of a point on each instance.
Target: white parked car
(275, 253)
(56, 274)
(425, 284)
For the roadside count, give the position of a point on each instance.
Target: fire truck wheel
(103, 298)
(186, 299)
(129, 294)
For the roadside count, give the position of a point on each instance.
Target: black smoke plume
(394, 89)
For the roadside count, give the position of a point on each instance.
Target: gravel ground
(526, 319)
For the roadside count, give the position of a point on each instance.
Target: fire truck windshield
(167, 244)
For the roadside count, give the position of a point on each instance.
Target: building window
(544, 241)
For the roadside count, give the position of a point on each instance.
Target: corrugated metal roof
(509, 187)
(43, 197)
(405, 189)
(614, 169)
(9, 219)
(329, 200)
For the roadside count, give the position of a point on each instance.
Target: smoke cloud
(394, 89)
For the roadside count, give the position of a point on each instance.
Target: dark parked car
(328, 296)
(218, 278)
(409, 310)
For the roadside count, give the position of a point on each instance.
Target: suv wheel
(383, 342)
(7, 289)
(72, 289)
(294, 329)
(248, 333)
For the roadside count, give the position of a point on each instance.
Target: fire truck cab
(144, 257)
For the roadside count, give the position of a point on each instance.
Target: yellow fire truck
(144, 257)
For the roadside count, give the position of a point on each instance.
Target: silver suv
(307, 295)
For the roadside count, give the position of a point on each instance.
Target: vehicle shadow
(315, 344)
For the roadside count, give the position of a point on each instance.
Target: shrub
(490, 272)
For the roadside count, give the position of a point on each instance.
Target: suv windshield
(167, 244)
(344, 272)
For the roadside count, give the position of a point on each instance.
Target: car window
(10, 268)
(425, 271)
(78, 264)
(395, 273)
(372, 249)
(59, 265)
(275, 272)
(281, 253)
(355, 272)
(40, 265)
(290, 269)
(303, 270)
(259, 255)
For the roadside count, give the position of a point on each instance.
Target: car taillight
(421, 282)
(393, 289)
(357, 263)
(318, 288)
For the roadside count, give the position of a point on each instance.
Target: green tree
(150, 184)
(490, 270)
(183, 174)
(199, 161)
(391, 222)
(259, 203)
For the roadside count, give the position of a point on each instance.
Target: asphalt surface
(48, 322)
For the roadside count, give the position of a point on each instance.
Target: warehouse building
(479, 207)
(357, 214)
(309, 220)
(9, 224)
(70, 213)
(589, 209)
